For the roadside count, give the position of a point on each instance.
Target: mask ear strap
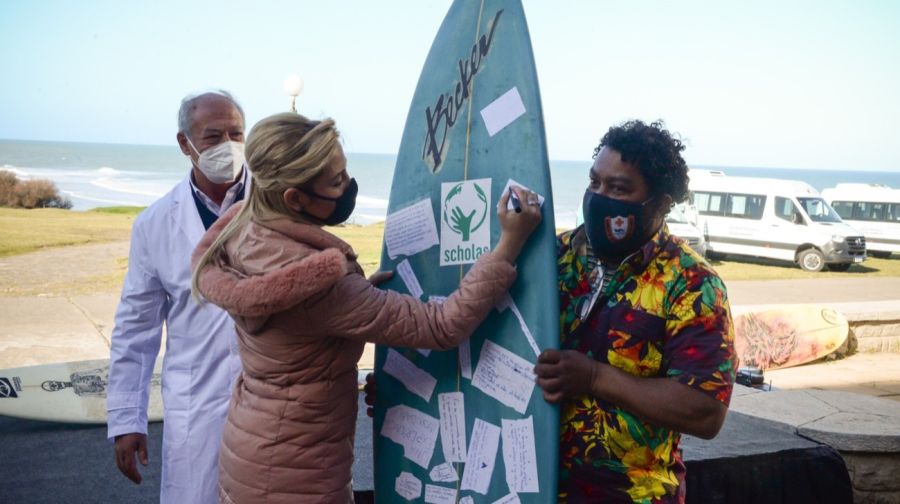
(314, 195)
(191, 144)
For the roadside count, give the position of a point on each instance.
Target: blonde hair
(283, 151)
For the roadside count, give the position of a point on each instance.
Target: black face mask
(614, 228)
(343, 204)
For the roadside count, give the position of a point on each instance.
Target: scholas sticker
(6, 389)
(465, 221)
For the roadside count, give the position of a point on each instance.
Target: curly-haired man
(646, 336)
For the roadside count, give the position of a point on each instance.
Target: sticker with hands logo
(465, 221)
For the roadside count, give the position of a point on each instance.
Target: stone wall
(875, 477)
(873, 332)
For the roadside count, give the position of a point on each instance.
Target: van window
(787, 210)
(818, 210)
(894, 213)
(871, 211)
(709, 203)
(843, 208)
(745, 206)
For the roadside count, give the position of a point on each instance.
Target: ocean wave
(137, 187)
(105, 170)
(18, 172)
(84, 197)
(372, 202)
(364, 219)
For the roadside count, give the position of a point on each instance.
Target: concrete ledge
(843, 420)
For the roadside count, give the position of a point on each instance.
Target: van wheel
(811, 260)
(839, 267)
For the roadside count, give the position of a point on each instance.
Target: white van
(682, 222)
(777, 219)
(874, 209)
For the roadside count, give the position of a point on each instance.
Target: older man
(201, 359)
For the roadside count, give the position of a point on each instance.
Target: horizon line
(394, 154)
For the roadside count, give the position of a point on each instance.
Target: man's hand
(563, 374)
(126, 446)
(370, 392)
(379, 277)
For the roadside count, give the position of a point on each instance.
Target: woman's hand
(516, 227)
(379, 277)
(564, 374)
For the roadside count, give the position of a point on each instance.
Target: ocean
(97, 175)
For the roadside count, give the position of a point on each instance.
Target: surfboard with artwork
(70, 392)
(788, 336)
(469, 424)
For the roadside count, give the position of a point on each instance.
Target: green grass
(366, 242)
(119, 210)
(23, 231)
(748, 268)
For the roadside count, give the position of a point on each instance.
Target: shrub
(36, 193)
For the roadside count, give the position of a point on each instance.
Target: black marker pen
(517, 206)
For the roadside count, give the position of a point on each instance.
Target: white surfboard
(70, 392)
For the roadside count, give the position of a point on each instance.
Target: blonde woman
(303, 312)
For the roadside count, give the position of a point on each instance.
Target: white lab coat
(201, 359)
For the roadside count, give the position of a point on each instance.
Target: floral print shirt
(664, 313)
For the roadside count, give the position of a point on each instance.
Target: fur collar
(278, 290)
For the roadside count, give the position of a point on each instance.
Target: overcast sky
(801, 84)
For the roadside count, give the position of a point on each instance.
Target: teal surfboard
(468, 424)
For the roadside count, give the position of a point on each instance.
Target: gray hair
(185, 115)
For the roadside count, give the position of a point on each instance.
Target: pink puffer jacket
(303, 312)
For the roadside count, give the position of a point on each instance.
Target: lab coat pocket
(176, 389)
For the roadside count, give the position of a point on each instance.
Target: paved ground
(51, 312)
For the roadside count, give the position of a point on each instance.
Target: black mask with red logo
(614, 228)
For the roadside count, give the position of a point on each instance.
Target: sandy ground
(58, 305)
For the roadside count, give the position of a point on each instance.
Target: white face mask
(220, 163)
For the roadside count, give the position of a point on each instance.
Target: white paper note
(439, 495)
(509, 204)
(410, 230)
(467, 500)
(444, 473)
(416, 380)
(415, 431)
(509, 303)
(409, 279)
(504, 376)
(509, 499)
(520, 456)
(502, 111)
(465, 359)
(408, 486)
(481, 457)
(453, 426)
